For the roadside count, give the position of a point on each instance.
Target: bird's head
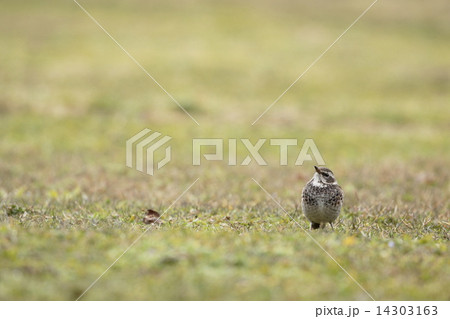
(324, 175)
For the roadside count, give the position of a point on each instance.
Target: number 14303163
(407, 310)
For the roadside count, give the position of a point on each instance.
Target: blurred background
(71, 97)
(376, 105)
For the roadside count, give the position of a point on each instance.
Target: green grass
(376, 105)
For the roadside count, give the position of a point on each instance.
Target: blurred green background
(376, 105)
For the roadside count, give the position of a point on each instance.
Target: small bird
(322, 198)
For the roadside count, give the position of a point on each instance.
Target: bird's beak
(317, 169)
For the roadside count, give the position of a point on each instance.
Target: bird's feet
(315, 225)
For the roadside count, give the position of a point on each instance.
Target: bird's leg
(332, 226)
(315, 225)
(322, 225)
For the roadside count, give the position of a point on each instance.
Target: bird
(322, 198)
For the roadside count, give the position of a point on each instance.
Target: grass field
(376, 105)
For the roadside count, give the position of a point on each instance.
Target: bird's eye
(325, 174)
